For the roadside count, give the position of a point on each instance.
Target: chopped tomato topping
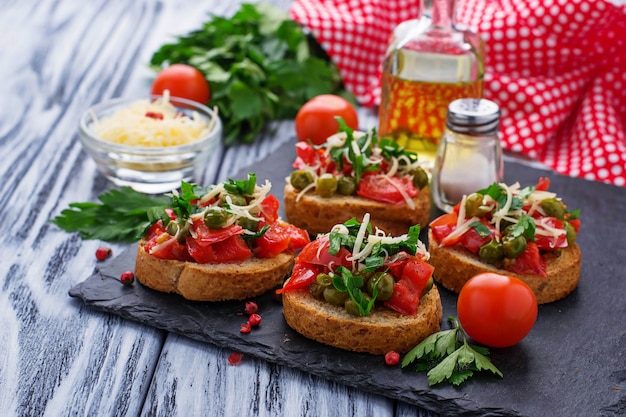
(232, 249)
(205, 236)
(167, 248)
(551, 242)
(529, 262)
(302, 276)
(472, 240)
(543, 184)
(379, 187)
(316, 253)
(279, 238)
(443, 225)
(269, 208)
(409, 288)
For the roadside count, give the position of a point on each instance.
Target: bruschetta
(223, 242)
(528, 233)
(362, 290)
(354, 173)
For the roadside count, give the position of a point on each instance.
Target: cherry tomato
(385, 189)
(496, 310)
(315, 120)
(182, 81)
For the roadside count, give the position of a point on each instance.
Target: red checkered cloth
(557, 68)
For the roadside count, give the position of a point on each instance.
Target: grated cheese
(133, 126)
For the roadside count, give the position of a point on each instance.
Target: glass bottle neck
(442, 13)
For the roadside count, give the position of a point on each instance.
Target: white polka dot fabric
(557, 68)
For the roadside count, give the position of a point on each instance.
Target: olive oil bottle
(427, 66)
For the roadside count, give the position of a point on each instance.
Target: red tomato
(232, 249)
(529, 262)
(279, 238)
(313, 255)
(408, 290)
(269, 208)
(170, 249)
(473, 241)
(302, 276)
(550, 242)
(385, 189)
(182, 81)
(496, 310)
(443, 225)
(205, 236)
(315, 121)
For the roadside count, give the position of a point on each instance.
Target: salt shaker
(469, 154)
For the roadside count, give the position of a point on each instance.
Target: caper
(300, 179)
(326, 185)
(384, 284)
(235, 199)
(553, 207)
(513, 246)
(215, 217)
(420, 178)
(570, 233)
(351, 307)
(172, 228)
(317, 291)
(248, 223)
(334, 296)
(346, 185)
(179, 229)
(491, 252)
(324, 280)
(474, 205)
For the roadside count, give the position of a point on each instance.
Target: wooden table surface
(58, 357)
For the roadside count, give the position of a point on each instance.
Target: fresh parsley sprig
(122, 215)
(447, 356)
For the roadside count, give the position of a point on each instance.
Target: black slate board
(573, 363)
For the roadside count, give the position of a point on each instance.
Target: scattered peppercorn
(251, 307)
(127, 277)
(103, 253)
(392, 358)
(254, 319)
(154, 115)
(245, 327)
(234, 358)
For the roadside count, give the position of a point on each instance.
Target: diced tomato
(168, 249)
(396, 267)
(443, 225)
(529, 262)
(233, 249)
(543, 184)
(306, 154)
(279, 238)
(205, 236)
(408, 290)
(472, 240)
(379, 187)
(302, 276)
(417, 273)
(403, 300)
(316, 253)
(269, 208)
(551, 242)
(155, 230)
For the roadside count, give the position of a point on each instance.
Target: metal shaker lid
(473, 116)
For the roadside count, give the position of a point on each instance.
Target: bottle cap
(473, 116)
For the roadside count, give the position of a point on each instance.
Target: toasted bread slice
(319, 214)
(212, 282)
(381, 331)
(454, 265)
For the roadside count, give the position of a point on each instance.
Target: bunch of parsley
(260, 64)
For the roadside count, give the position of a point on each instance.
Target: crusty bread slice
(382, 331)
(319, 214)
(454, 265)
(212, 282)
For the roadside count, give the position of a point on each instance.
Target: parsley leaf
(447, 356)
(241, 187)
(261, 66)
(123, 215)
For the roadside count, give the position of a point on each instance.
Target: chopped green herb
(447, 356)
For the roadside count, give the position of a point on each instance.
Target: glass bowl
(150, 169)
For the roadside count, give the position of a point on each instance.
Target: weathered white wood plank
(58, 357)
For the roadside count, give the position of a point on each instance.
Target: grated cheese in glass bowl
(150, 144)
